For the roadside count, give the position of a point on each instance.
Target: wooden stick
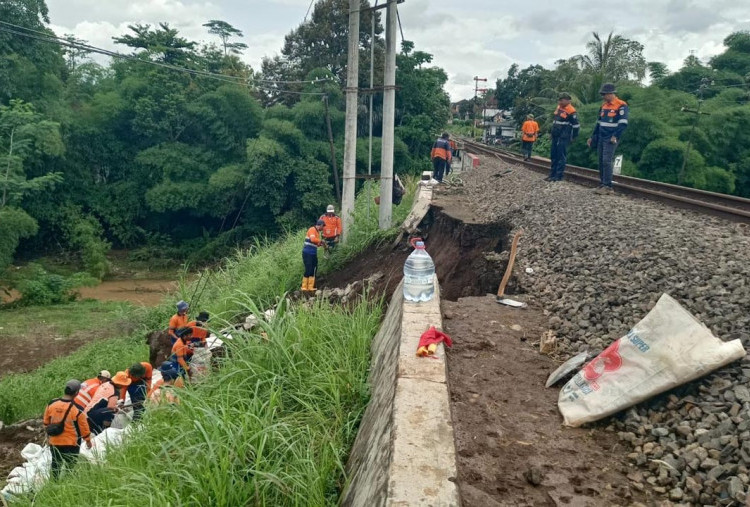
(511, 260)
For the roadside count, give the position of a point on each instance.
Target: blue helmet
(182, 306)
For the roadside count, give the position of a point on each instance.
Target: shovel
(501, 290)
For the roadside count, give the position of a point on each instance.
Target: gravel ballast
(600, 263)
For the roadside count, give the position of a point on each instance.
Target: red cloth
(432, 335)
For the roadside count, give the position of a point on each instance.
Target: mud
(386, 259)
(29, 352)
(139, 292)
(12, 441)
(511, 446)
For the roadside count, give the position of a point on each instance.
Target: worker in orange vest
(182, 350)
(89, 388)
(441, 156)
(106, 402)
(530, 133)
(313, 241)
(199, 330)
(331, 226)
(178, 320)
(66, 426)
(565, 130)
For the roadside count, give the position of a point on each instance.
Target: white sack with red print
(667, 348)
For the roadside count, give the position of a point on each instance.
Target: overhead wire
(54, 39)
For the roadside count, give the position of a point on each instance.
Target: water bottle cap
(419, 244)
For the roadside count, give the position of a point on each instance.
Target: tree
(225, 31)
(736, 58)
(615, 59)
(321, 42)
(160, 44)
(657, 71)
(24, 136)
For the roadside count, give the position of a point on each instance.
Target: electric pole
(389, 116)
(705, 82)
(350, 134)
(476, 90)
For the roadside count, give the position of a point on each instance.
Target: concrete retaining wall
(404, 452)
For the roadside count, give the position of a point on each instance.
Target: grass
(273, 426)
(63, 320)
(24, 395)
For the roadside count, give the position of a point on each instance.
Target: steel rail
(726, 206)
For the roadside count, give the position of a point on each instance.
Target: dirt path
(511, 446)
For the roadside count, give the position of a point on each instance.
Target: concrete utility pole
(350, 134)
(476, 90)
(389, 118)
(705, 82)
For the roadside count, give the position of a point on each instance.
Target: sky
(467, 38)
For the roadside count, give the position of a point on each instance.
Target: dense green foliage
(663, 115)
(134, 154)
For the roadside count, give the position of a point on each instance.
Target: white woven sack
(667, 348)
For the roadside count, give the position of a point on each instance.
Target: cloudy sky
(468, 38)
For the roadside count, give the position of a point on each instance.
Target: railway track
(711, 203)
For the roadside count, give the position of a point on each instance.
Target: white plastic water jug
(419, 274)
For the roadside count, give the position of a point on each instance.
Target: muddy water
(143, 292)
(140, 292)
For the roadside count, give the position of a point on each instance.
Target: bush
(38, 287)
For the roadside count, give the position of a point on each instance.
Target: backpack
(56, 429)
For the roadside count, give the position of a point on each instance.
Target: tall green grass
(272, 427)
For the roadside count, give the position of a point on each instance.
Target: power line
(54, 39)
(308, 10)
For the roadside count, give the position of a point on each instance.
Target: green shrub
(39, 287)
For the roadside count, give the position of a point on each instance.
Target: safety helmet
(563, 95)
(607, 88)
(72, 387)
(320, 222)
(182, 306)
(170, 374)
(202, 317)
(105, 374)
(330, 209)
(530, 116)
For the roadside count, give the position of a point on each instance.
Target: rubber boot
(311, 284)
(305, 282)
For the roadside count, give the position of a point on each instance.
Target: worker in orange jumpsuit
(530, 132)
(66, 426)
(199, 330)
(182, 350)
(313, 241)
(332, 226)
(89, 388)
(178, 320)
(441, 156)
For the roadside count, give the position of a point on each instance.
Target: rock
(742, 394)
(660, 432)
(534, 476)
(736, 489)
(709, 463)
(675, 494)
(684, 430)
(516, 327)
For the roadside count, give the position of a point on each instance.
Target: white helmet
(330, 209)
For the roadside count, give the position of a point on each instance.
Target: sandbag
(667, 348)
